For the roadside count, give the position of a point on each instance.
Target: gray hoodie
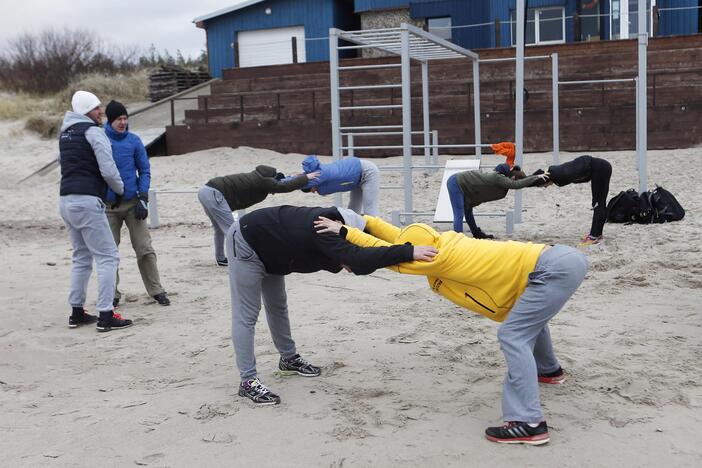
(101, 147)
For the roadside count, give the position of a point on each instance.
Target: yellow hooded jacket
(484, 276)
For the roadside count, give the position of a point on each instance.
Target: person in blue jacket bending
(132, 208)
(350, 174)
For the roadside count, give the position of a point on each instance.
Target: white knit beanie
(83, 102)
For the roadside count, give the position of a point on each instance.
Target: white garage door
(270, 46)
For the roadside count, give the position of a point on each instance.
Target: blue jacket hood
(343, 175)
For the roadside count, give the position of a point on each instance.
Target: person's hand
(313, 175)
(323, 225)
(424, 253)
(141, 209)
(479, 234)
(117, 202)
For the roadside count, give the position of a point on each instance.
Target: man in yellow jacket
(522, 285)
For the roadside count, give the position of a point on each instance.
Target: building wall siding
(369, 5)
(317, 16)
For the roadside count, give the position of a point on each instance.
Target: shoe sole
(549, 381)
(292, 372)
(106, 329)
(260, 403)
(529, 441)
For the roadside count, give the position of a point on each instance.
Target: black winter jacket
(577, 171)
(285, 240)
(248, 188)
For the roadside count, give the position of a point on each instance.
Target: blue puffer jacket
(340, 176)
(132, 162)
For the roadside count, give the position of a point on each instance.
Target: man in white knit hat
(87, 169)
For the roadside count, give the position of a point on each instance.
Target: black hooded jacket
(577, 171)
(248, 188)
(285, 240)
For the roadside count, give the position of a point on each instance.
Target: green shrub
(47, 126)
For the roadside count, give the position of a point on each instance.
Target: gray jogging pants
(248, 282)
(220, 214)
(91, 238)
(524, 337)
(364, 198)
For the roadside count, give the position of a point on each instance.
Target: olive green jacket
(479, 187)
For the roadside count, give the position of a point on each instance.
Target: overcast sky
(165, 23)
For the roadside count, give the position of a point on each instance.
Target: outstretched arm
(290, 184)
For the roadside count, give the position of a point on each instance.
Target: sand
(409, 379)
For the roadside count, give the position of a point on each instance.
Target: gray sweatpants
(524, 337)
(364, 198)
(248, 281)
(91, 238)
(217, 209)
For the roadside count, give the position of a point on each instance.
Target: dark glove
(141, 209)
(479, 234)
(116, 202)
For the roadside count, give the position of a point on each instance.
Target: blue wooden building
(264, 32)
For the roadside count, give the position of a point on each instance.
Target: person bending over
(522, 285)
(469, 189)
(580, 170)
(265, 245)
(222, 195)
(358, 176)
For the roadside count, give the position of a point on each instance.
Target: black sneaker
(116, 322)
(162, 299)
(515, 432)
(224, 262)
(115, 302)
(75, 321)
(297, 365)
(255, 391)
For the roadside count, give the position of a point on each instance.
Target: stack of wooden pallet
(168, 80)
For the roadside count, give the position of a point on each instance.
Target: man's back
(285, 240)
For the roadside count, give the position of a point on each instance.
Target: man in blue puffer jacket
(350, 174)
(132, 208)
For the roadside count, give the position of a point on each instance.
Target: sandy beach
(409, 379)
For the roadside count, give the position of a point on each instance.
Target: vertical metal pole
(624, 19)
(435, 147)
(349, 143)
(519, 111)
(642, 101)
(334, 89)
(556, 120)
(153, 209)
(476, 107)
(406, 121)
(425, 111)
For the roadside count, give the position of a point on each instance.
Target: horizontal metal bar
(383, 106)
(400, 168)
(360, 32)
(384, 86)
(416, 132)
(392, 187)
(173, 191)
(431, 213)
(617, 80)
(367, 67)
(371, 127)
(372, 147)
(437, 40)
(486, 145)
(511, 59)
(367, 46)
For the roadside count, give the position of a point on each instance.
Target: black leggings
(601, 173)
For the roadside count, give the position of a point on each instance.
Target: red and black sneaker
(515, 432)
(553, 378)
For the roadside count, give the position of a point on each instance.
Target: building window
(440, 27)
(625, 18)
(544, 26)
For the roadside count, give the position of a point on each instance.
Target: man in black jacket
(580, 170)
(222, 195)
(269, 243)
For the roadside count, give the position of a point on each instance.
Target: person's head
(503, 169)
(351, 218)
(87, 104)
(266, 171)
(516, 173)
(117, 116)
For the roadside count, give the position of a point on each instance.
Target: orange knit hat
(506, 149)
